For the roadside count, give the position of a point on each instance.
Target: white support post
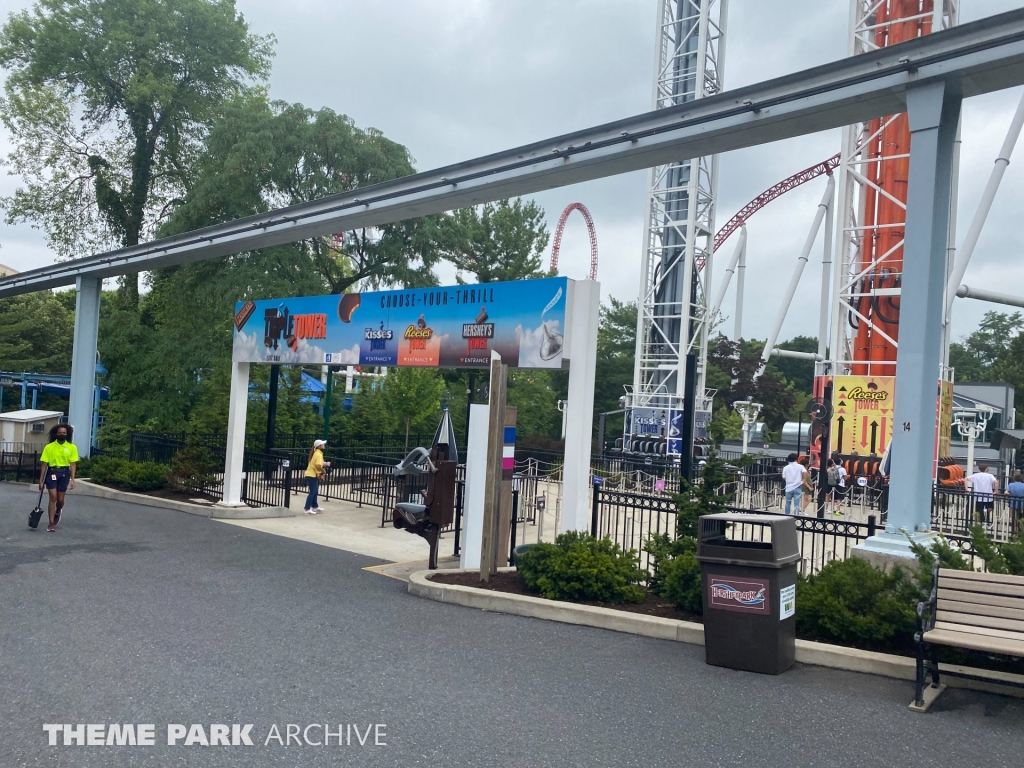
(787, 300)
(582, 318)
(741, 273)
(83, 361)
(826, 281)
(476, 483)
(729, 271)
(963, 258)
(235, 453)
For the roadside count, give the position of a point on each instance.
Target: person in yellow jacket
(57, 473)
(314, 474)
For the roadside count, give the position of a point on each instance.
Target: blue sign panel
(452, 326)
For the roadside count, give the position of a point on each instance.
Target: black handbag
(37, 513)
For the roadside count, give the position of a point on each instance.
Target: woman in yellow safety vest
(60, 456)
(314, 474)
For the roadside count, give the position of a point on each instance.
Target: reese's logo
(418, 334)
(858, 393)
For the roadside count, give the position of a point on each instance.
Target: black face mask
(61, 438)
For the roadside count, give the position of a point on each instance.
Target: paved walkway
(142, 615)
(345, 525)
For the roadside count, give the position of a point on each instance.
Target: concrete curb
(87, 488)
(807, 652)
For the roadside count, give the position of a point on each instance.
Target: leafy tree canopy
(500, 241)
(264, 155)
(108, 102)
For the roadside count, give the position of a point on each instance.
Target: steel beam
(976, 58)
(934, 112)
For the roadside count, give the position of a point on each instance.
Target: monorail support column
(234, 455)
(83, 361)
(934, 112)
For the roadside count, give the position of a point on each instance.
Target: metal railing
(19, 466)
(630, 519)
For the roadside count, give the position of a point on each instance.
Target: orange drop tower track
(885, 197)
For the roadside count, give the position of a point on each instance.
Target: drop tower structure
(679, 230)
(873, 200)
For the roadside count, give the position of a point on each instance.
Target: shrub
(193, 465)
(852, 602)
(579, 567)
(675, 572)
(1006, 557)
(135, 476)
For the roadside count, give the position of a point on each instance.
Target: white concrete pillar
(582, 317)
(235, 450)
(83, 360)
(471, 539)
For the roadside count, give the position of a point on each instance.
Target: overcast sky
(455, 79)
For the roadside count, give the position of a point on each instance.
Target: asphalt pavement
(147, 616)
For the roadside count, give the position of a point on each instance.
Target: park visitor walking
(793, 475)
(1015, 491)
(983, 485)
(808, 486)
(837, 483)
(57, 474)
(315, 472)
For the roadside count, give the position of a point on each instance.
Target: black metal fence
(19, 466)
(630, 519)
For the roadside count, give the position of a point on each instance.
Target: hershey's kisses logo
(871, 393)
(478, 332)
(418, 334)
(278, 324)
(378, 338)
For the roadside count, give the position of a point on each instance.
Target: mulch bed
(513, 583)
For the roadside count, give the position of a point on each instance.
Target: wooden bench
(976, 611)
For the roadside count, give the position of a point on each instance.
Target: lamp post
(971, 423)
(748, 411)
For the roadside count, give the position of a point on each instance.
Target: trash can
(748, 566)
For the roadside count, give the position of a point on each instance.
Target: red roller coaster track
(767, 196)
(556, 246)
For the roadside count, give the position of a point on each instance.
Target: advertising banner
(452, 326)
(862, 416)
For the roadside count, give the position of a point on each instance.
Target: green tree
(263, 155)
(799, 372)
(108, 102)
(500, 241)
(1009, 368)
(36, 332)
(978, 354)
(738, 363)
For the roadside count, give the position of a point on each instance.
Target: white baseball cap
(319, 443)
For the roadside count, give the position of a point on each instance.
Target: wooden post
(492, 488)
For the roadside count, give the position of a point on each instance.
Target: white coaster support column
(235, 453)
(582, 317)
(83, 361)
